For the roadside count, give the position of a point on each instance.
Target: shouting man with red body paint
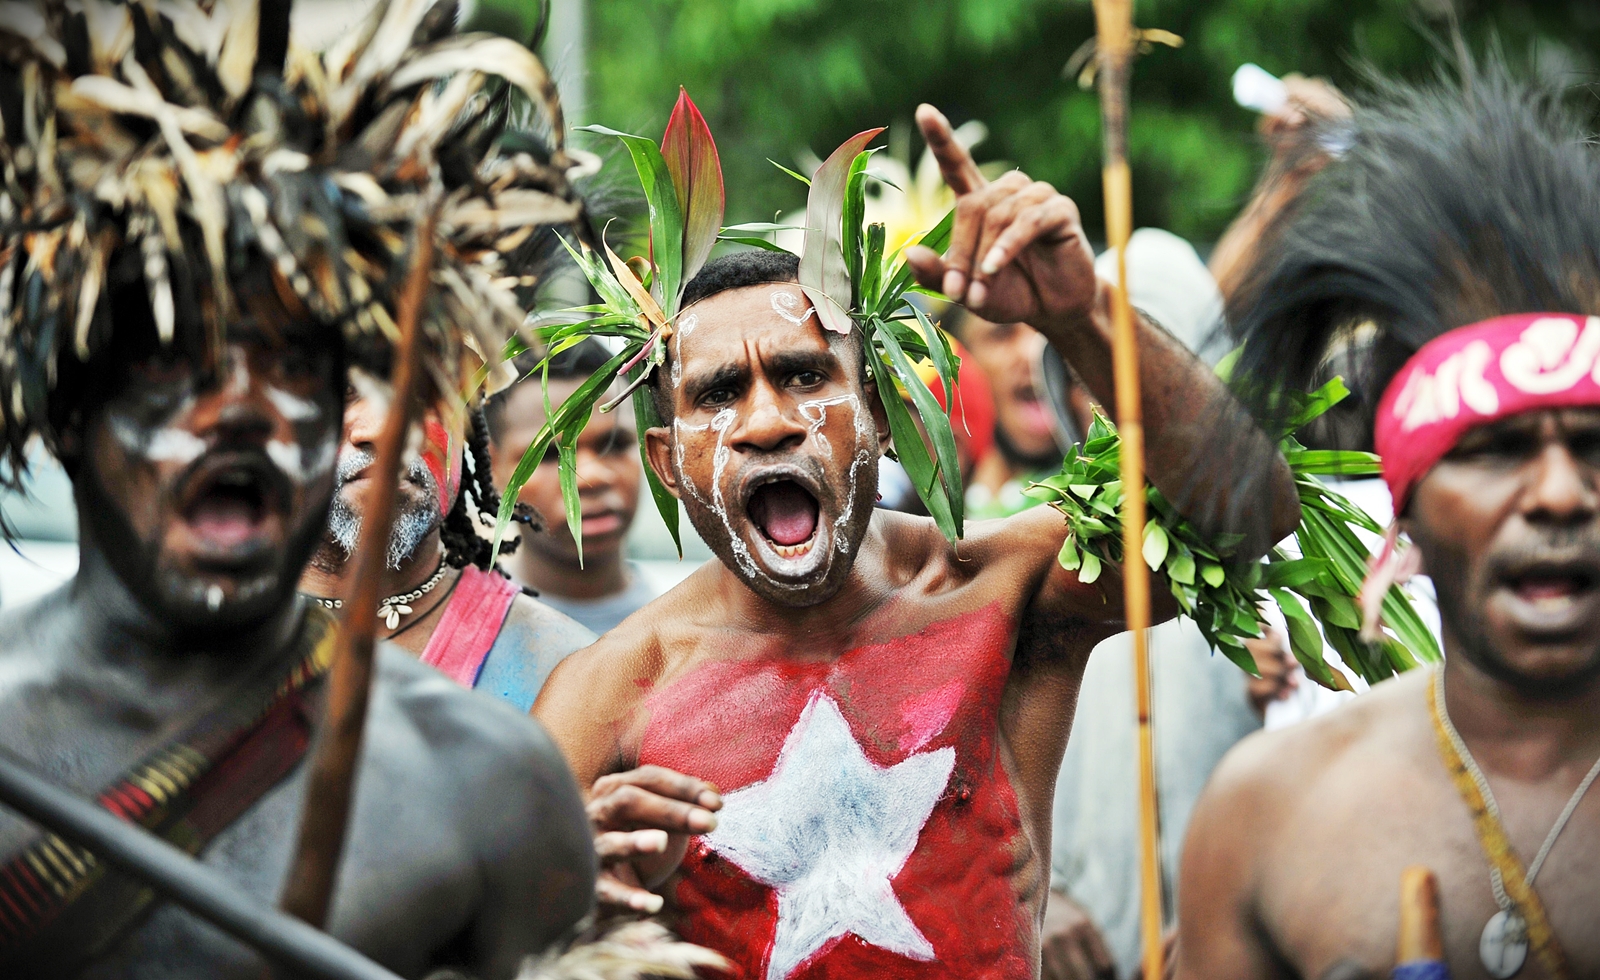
(832, 752)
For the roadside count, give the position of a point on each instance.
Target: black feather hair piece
(1461, 200)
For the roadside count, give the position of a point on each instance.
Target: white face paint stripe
(784, 303)
(686, 325)
(292, 407)
(165, 445)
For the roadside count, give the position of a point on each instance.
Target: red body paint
(942, 686)
(439, 453)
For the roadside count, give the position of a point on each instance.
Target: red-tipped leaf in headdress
(696, 170)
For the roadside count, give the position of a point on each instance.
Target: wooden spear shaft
(315, 865)
(1114, 29)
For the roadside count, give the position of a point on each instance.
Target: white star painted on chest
(828, 831)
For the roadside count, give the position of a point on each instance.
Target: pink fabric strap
(470, 624)
(1479, 374)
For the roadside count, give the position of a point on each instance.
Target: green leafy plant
(1223, 596)
(683, 188)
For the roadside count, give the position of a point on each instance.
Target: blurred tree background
(786, 78)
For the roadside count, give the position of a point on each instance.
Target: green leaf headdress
(189, 134)
(843, 271)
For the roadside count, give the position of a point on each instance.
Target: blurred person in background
(603, 588)
(444, 600)
(973, 427)
(1027, 439)
(1307, 131)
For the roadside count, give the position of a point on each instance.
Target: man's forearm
(1202, 448)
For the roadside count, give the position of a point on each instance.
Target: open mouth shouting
(231, 508)
(1551, 597)
(786, 521)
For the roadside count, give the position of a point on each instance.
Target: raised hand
(642, 821)
(1017, 251)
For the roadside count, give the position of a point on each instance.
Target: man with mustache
(1455, 252)
(832, 751)
(444, 601)
(179, 300)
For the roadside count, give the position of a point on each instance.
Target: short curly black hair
(750, 267)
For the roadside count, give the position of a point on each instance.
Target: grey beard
(412, 523)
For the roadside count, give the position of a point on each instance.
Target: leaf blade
(822, 259)
(696, 168)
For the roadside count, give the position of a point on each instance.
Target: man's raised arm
(1018, 253)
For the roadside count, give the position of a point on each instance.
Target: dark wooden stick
(286, 941)
(1114, 42)
(334, 765)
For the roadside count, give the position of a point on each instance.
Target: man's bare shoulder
(627, 658)
(1361, 735)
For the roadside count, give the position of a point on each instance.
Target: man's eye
(806, 379)
(1585, 447)
(716, 397)
(1503, 447)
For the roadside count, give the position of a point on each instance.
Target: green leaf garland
(1224, 596)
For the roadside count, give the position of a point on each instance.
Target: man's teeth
(1552, 603)
(794, 550)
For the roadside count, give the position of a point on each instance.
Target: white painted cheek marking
(292, 407)
(166, 445)
(720, 424)
(238, 373)
(686, 327)
(679, 427)
(816, 412)
(292, 459)
(785, 304)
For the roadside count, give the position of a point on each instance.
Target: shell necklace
(391, 609)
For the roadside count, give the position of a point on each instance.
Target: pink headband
(1479, 374)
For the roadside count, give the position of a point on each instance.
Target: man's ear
(658, 448)
(880, 415)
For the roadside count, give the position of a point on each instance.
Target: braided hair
(463, 545)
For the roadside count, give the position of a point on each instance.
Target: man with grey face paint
(184, 279)
(831, 753)
(444, 600)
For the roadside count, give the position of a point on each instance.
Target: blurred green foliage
(776, 78)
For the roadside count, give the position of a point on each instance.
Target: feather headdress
(188, 133)
(844, 271)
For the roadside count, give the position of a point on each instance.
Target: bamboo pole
(315, 864)
(1114, 44)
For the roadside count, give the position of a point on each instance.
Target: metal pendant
(1503, 947)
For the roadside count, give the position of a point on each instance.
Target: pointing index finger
(954, 161)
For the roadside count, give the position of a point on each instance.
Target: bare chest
(1332, 890)
(870, 825)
